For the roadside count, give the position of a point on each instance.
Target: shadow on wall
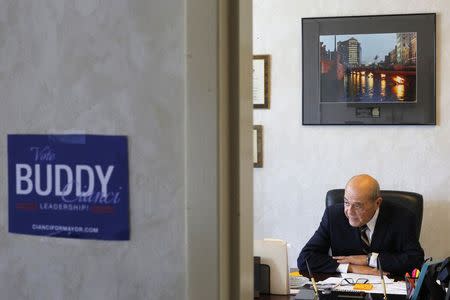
(435, 234)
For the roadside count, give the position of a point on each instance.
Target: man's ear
(378, 201)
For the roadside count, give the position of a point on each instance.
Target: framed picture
(257, 146)
(369, 70)
(261, 81)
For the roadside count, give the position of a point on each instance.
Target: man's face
(359, 206)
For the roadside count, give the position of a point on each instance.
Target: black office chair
(408, 200)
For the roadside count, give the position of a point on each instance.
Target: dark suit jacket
(394, 238)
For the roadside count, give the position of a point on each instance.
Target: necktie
(364, 239)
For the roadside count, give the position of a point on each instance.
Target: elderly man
(361, 230)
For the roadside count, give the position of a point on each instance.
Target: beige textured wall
(303, 162)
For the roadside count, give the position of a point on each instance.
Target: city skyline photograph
(378, 44)
(369, 68)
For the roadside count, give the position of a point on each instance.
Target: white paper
(355, 277)
(331, 280)
(392, 288)
(255, 146)
(258, 81)
(371, 278)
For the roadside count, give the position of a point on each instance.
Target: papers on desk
(393, 288)
(371, 278)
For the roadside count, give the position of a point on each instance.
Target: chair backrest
(408, 200)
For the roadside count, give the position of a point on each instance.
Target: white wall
(302, 162)
(111, 67)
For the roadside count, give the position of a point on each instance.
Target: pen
(312, 279)
(411, 281)
(382, 278)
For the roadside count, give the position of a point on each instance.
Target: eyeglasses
(351, 281)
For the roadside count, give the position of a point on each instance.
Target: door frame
(219, 162)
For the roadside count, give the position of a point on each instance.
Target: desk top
(334, 295)
(276, 297)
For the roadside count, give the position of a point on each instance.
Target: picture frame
(369, 70)
(257, 146)
(261, 81)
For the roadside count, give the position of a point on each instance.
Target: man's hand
(364, 270)
(360, 260)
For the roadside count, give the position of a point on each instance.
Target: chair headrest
(408, 200)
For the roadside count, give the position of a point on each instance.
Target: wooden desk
(276, 297)
(320, 277)
(335, 296)
(317, 277)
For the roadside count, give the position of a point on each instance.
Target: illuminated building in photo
(350, 51)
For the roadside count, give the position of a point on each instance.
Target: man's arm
(411, 255)
(316, 250)
(357, 264)
(364, 270)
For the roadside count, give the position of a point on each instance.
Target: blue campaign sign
(73, 186)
